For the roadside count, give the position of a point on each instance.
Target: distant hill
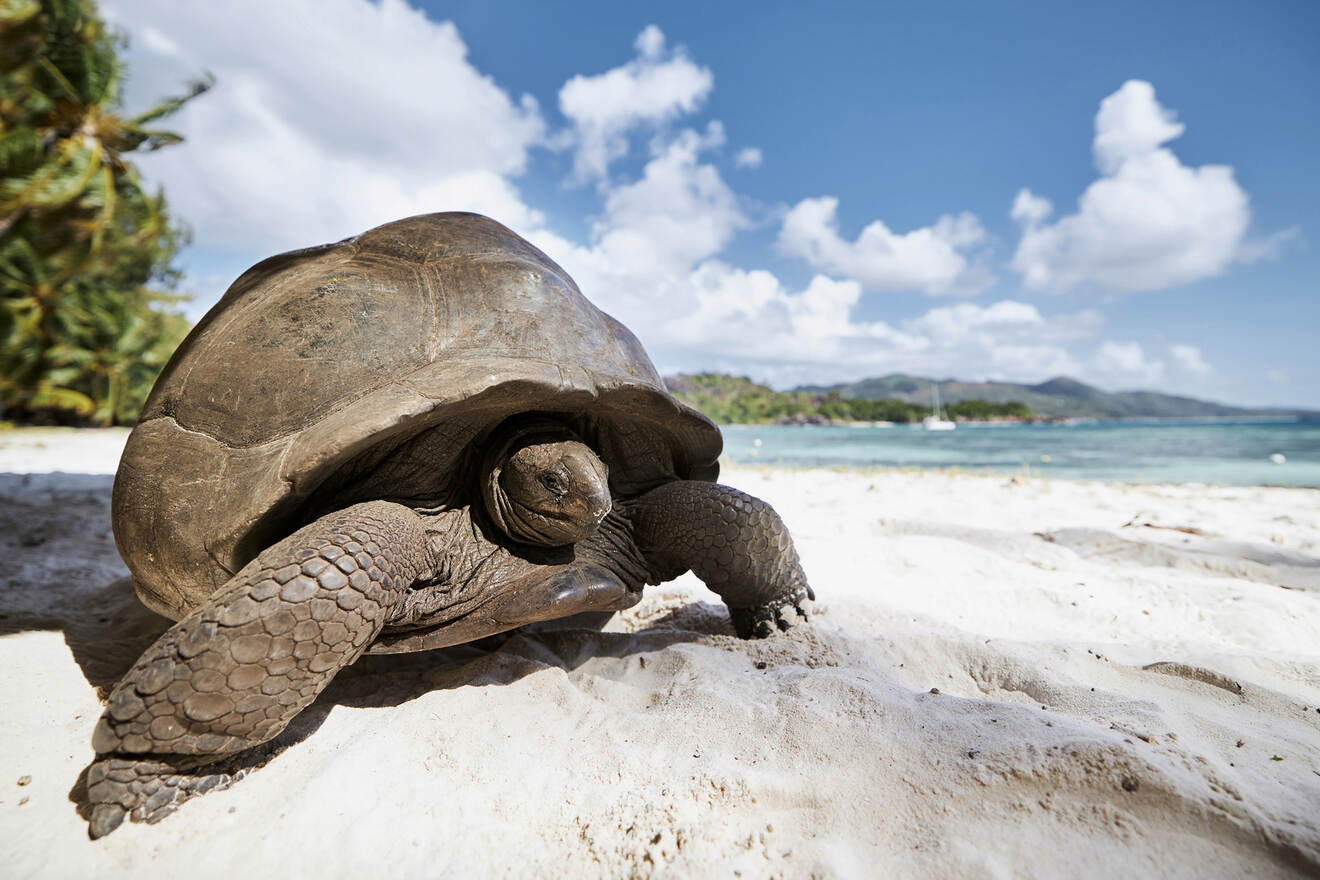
(1060, 397)
(739, 400)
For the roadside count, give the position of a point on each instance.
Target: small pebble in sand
(760, 664)
(24, 780)
(1240, 743)
(1130, 783)
(934, 690)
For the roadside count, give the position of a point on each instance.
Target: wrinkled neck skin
(543, 503)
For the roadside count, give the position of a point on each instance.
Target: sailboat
(935, 421)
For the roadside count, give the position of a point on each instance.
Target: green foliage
(86, 252)
(976, 409)
(737, 400)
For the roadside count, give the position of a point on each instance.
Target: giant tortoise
(413, 438)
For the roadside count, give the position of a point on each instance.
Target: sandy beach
(1004, 677)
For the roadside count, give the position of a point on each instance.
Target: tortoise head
(542, 485)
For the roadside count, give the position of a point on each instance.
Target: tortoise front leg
(235, 671)
(545, 592)
(737, 544)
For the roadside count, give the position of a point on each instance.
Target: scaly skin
(735, 543)
(235, 671)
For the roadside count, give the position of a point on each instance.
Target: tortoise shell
(375, 368)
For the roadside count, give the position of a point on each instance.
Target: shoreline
(1053, 420)
(26, 450)
(1014, 476)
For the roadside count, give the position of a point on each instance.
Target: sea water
(1216, 451)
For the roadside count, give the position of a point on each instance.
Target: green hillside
(739, 400)
(1060, 397)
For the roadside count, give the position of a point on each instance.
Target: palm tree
(82, 243)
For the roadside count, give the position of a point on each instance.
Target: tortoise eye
(554, 483)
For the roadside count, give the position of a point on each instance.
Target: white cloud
(294, 147)
(1254, 250)
(654, 230)
(1189, 359)
(931, 259)
(653, 263)
(328, 117)
(748, 157)
(654, 88)
(1120, 363)
(650, 42)
(1007, 339)
(718, 316)
(1131, 124)
(1030, 209)
(1147, 223)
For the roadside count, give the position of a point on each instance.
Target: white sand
(663, 747)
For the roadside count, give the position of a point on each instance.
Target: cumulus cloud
(1125, 363)
(328, 116)
(1147, 223)
(653, 230)
(932, 259)
(656, 87)
(653, 261)
(748, 157)
(1189, 359)
(1029, 208)
(1007, 339)
(718, 316)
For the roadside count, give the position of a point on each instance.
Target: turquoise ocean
(1228, 452)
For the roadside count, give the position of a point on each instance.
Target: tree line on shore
(739, 400)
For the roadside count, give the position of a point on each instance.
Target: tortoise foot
(146, 790)
(734, 542)
(772, 617)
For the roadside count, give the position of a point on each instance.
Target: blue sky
(1127, 193)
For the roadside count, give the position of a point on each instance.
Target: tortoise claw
(774, 616)
(105, 818)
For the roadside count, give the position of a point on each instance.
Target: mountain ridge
(1059, 397)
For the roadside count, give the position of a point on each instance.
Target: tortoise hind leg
(235, 671)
